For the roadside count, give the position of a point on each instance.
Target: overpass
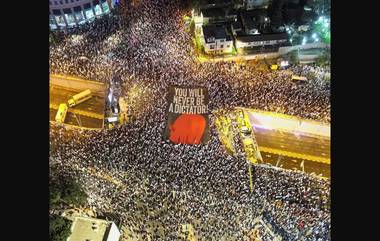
(88, 114)
(283, 141)
(290, 136)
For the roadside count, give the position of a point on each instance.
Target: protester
(169, 184)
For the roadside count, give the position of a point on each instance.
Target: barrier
(70, 82)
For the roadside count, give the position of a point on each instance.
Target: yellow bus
(61, 113)
(298, 78)
(79, 98)
(274, 67)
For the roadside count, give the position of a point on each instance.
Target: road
(59, 95)
(89, 113)
(288, 151)
(310, 147)
(86, 121)
(295, 164)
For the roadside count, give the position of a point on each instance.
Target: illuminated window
(60, 21)
(52, 22)
(105, 7)
(89, 13)
(98, 10)
(70, 19)
(79, 14)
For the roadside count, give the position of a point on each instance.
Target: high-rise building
(71, 13)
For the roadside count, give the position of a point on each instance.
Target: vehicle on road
(299, 78)
(79, 98)
(61, 113)
(274, 67)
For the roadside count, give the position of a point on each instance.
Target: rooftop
(253, 18)
(84, 228)
(213, 13)
(212, 32)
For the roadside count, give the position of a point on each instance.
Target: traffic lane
(95, 104)
(290, 142)
(57, 88)
(61, 95)
(295, 164)
(86, 121)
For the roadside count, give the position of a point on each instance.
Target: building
(91, 229)
(254, 21)
(213, 15)
(262, 43)
(237, 27)
(252, 4)
(216, 39)
(71, 13)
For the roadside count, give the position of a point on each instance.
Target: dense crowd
(165, 185)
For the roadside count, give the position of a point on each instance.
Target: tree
(66, 191)
(59, 228)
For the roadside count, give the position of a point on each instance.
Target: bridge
(88, 114)
(283, 141)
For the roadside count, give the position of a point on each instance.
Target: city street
(295, 164)
(284, 149)
(292, 143)
(88, 114)
(276, 166)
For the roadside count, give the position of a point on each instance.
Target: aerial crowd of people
(162, 185)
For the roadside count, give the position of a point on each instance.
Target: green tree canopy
(66, 191)
(59, 228)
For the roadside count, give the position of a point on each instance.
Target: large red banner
(187, 115)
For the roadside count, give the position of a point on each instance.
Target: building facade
(216, 40)
(71, 13)
(262, 43)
